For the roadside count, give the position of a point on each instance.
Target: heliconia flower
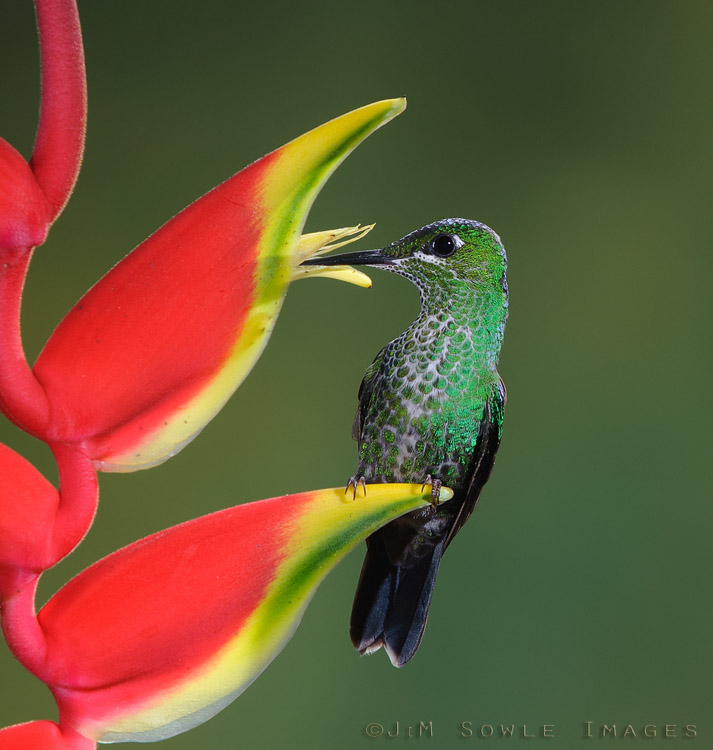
(318, 243)
(153, 351)
(158, 637)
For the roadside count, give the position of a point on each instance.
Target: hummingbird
(430, 411)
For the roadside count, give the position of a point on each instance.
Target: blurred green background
(581, 132)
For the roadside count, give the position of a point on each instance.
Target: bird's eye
(444, 245)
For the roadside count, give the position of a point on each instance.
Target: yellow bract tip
(340, 273)
(319, 243)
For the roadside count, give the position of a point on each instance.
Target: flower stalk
(59, 145)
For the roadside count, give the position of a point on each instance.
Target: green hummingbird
(430, 411)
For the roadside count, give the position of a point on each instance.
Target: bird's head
(446, 254)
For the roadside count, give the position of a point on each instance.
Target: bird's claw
(354, 484)
(436, 485)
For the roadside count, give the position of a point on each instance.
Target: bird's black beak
(359, 258)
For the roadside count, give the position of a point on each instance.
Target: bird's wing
(365, 391)
(483, 457)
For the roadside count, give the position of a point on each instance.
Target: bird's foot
(436, 485)
(354, 484)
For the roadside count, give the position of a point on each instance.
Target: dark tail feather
(391, 603)
(373, 594)
(408, 613)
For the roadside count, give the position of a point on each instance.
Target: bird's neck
(468, 319)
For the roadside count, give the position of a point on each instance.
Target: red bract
(158, 637)
(154, 350)
(43, 735)
(28, 506)
(161, 635)
(24, 210)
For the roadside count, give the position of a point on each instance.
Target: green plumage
(430, 405)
